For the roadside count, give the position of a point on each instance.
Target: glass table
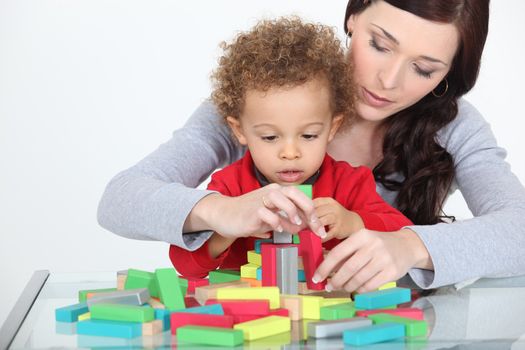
(489, 314)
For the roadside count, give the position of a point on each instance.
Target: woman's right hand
(270, 208)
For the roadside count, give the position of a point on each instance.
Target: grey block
(282, 237)
(122, 273)
(286, 269)
(325, 329)
(127, 297)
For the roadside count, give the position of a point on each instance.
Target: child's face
(287, 130)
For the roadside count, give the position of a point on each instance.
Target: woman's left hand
(368, 259)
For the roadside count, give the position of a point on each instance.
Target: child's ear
(235, 125)
(336, 124)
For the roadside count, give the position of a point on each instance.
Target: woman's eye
(309, 136)
(269, 138)
(376, 46)
(423, 73)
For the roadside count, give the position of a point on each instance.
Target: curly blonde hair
(284, 52)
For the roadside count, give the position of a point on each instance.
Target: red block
(269, 275)
(243, 307)
(179, 319)
(280, 312)
(191, 302)
(311, 249)
(408, 312)
(195, 282)
(245, 318)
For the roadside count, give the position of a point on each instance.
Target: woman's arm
(152, 199)
(492, 244)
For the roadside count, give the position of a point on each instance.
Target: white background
(87, 88)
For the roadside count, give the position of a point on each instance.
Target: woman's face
(398, 58)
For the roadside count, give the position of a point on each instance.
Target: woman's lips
(373, 100)
(290, 175)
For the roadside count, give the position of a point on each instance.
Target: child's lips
(290, 175)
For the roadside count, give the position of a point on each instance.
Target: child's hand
(340, 221)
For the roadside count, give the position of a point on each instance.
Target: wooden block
(116, 312)
(283, 237)
(335, 301)
(286, 269)
(408, 312)
(254, 258)
(300, 264)
(373, 334)
(303, 289)
(125, 297)
(388, 285)
(212, 309)
(280, 312)
(269, 260)
(153, 327)
(224, 276)
(262, 293)
(252, 281)
(142, 279)
(249, 271)
(413, 328)
(296, 239)
(191, 302)
(204, 293)
(70, 313)
(257, 245)
(306, 189)
(264, 327)
(192, 283)
(242, 307)
(165, 316)
(214, 336)
(240, 318)
(121, 281)
(82, 294)
(156, 304)
(325, 329)
(311, 249)
(106, 328)
(273, 342)
(293, 304)
(311, 307)
(338, 311)
(84, 317)
(382, 298)
(179, 319)
(169, 289)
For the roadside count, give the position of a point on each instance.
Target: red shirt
(354, 188)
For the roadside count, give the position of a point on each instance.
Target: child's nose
(290, 151)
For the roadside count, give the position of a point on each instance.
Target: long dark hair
(410, 145)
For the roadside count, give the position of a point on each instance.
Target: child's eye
(269, 138)
(309, 136)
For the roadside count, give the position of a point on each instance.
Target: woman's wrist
(203, 214)
(422, 259)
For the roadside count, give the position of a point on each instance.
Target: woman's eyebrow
(395, 41)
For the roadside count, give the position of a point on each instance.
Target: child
(284, 89)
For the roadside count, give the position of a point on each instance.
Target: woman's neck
(360, 144)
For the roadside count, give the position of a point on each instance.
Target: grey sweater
(152, 199)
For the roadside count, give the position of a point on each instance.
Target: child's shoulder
(342, 168)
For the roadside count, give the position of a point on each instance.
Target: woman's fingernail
(280, 228)
(328, 287)
(313, 219)
(298, 220)
(316, 278)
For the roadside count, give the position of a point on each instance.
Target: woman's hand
(273, 207)
(340, 221)
(368, 259)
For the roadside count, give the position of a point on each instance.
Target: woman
(413, 61)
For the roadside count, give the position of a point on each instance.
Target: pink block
(280, 312)
(195, 282)
(311, 249)
(179, 319)
(408, 312)
(243, 307)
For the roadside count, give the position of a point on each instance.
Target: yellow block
(254, 258)
(85, 316)
(388, 285)
(266, 293)
(335, 301)
(249, 270)
(311, 306)
(264, 327)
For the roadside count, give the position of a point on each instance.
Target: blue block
(373, 334)
(70, 313)
(212, 309)
(381, 298)
(164, 315)
(258, 242)
(110, 328)
(301, 277)
(259, 274)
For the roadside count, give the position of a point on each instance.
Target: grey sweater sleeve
(492, 244)
(152, 199)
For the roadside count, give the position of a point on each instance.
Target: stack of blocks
(264, 300)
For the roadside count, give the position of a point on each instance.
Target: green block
(338, 311)
(82, 294)
(306, 189)
(223, 276)
(210, 335)
(295, 239)
(142, 279)
(170, 290)
(120, 312)
(413, 328)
